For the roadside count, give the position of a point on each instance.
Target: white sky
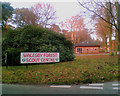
(64, 8)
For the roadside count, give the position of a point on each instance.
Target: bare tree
(102, 29)
(45, 13)
(76, 28)
(95, 6)
(111, 8)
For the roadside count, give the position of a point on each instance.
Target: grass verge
(84, 69)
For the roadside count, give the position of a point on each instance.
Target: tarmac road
(98, 88)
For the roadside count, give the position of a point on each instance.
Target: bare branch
(114, 24)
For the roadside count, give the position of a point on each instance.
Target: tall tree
(118, 8)
(76, 27)
(102, 31)
(69, 25)
(24, 16)
(7, 11)
(110, 19)
(111, 16)
(45, 13)
(117, 32)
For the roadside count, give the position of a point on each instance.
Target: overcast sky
(64, 8)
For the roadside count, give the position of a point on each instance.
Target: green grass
(84, 69)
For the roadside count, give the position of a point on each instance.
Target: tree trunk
(72, 36)
(105, 44)
(110, 41)
(75, 39)
(119, 27)
(116, 32)
(110, 31)
(116, 43)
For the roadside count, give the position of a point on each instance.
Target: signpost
(39, 57)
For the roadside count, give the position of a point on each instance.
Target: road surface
(96, 88)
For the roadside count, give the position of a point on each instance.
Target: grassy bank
(84, 69)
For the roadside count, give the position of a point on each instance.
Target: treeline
(43, 15)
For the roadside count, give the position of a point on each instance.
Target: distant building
(86, 47)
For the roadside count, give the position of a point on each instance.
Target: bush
(35, 39)
(13, 56)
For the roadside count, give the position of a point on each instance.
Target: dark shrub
(35, 39)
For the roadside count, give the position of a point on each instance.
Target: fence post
(26, 66)
(6, 60)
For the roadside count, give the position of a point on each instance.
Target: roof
(87, 44)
